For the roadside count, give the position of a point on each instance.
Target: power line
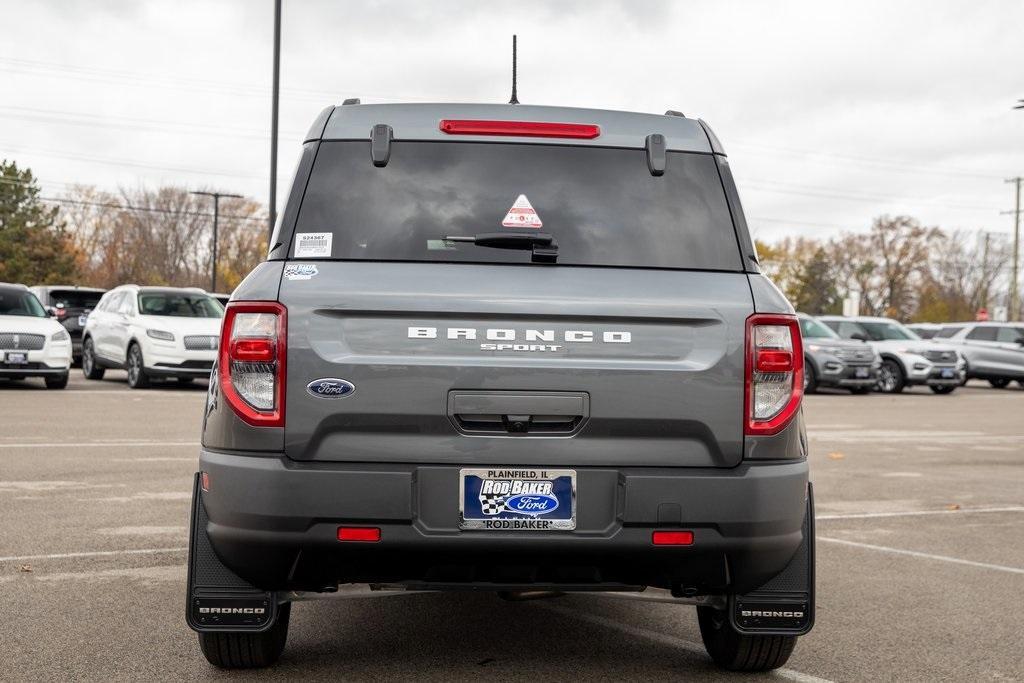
(130, 123)
(831, 193)
(151, 80)
(127, 163)
(892, 164)
(130, 207)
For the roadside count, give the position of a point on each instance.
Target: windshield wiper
(543, 245)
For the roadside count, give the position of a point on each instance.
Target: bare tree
(161, 236)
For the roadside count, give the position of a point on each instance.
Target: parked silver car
(993, 351)
(831, 361)
(906, 358)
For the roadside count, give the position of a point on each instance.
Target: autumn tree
(813, 289)
(163, 236)
(35, 249)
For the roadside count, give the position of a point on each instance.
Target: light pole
(216, 214)
(275, 90)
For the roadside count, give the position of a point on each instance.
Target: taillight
(252, 361)
(521, 129)
(774, 373)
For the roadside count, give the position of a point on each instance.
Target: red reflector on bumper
(672, 538)
(359, 533)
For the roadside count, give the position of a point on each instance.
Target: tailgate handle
(519, 413)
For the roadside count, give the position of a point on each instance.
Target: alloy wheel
(886, 379)
(134, 366)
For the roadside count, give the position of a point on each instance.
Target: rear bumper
(31, 370)
(940, 376)
(847, 376)
(199, 369)
(274, 522)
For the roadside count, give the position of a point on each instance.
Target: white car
(152, 332)
(906, 358)
(31, 343)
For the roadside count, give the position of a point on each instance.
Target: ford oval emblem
(531, 503)
(330, 388)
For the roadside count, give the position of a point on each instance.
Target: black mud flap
(218, 599)
(784, 605)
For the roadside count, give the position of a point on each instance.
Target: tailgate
(516, 365)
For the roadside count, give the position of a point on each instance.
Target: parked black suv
(507, 348)
(70, 305)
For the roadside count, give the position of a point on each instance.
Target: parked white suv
(994, 351)
(152, 332)
(906, 358)
(31, 343)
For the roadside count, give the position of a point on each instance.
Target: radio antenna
(515, 97)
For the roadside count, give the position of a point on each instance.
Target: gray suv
(831, 361)
(506, 348)
(993, 351)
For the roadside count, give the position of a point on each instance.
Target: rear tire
(247, 650)
(90, 368)
(810, 378)
(945, 389)
(137, 377)
(737, 651)
(1000, 383)
(57, 382)
(890, 378)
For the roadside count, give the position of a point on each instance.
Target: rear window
(17, 301)
(814, 329)
(179, 305)
(885, 331)
(601, 205)
(948, 331)
(70, 298)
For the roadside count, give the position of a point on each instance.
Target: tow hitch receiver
(218, 599)
(784, 605)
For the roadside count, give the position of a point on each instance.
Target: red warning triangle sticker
(522, 215)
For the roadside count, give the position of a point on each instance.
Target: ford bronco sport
(506, 348)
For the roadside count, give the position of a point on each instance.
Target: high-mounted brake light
(251, 367)
(774, 384)
(523, 129)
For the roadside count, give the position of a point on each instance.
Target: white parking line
(94, 392)
(97, 444)
(915, 513)
(665, 639)
(98, 553)
(925, 556)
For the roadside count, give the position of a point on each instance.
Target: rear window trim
(743, 258)
(504, 264)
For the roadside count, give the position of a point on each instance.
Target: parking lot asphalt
(920, 504)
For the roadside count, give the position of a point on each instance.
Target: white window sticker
(300, 271)
(313, 244)
(522, 215)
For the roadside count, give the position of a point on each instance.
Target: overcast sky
(831, 112)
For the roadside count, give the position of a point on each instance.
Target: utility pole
(1014, 271)
(273, 119)
(216, 214)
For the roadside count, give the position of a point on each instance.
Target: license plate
(81, 320)
(948, 373)
(861, 373)
(16, 358)
(517, 499)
